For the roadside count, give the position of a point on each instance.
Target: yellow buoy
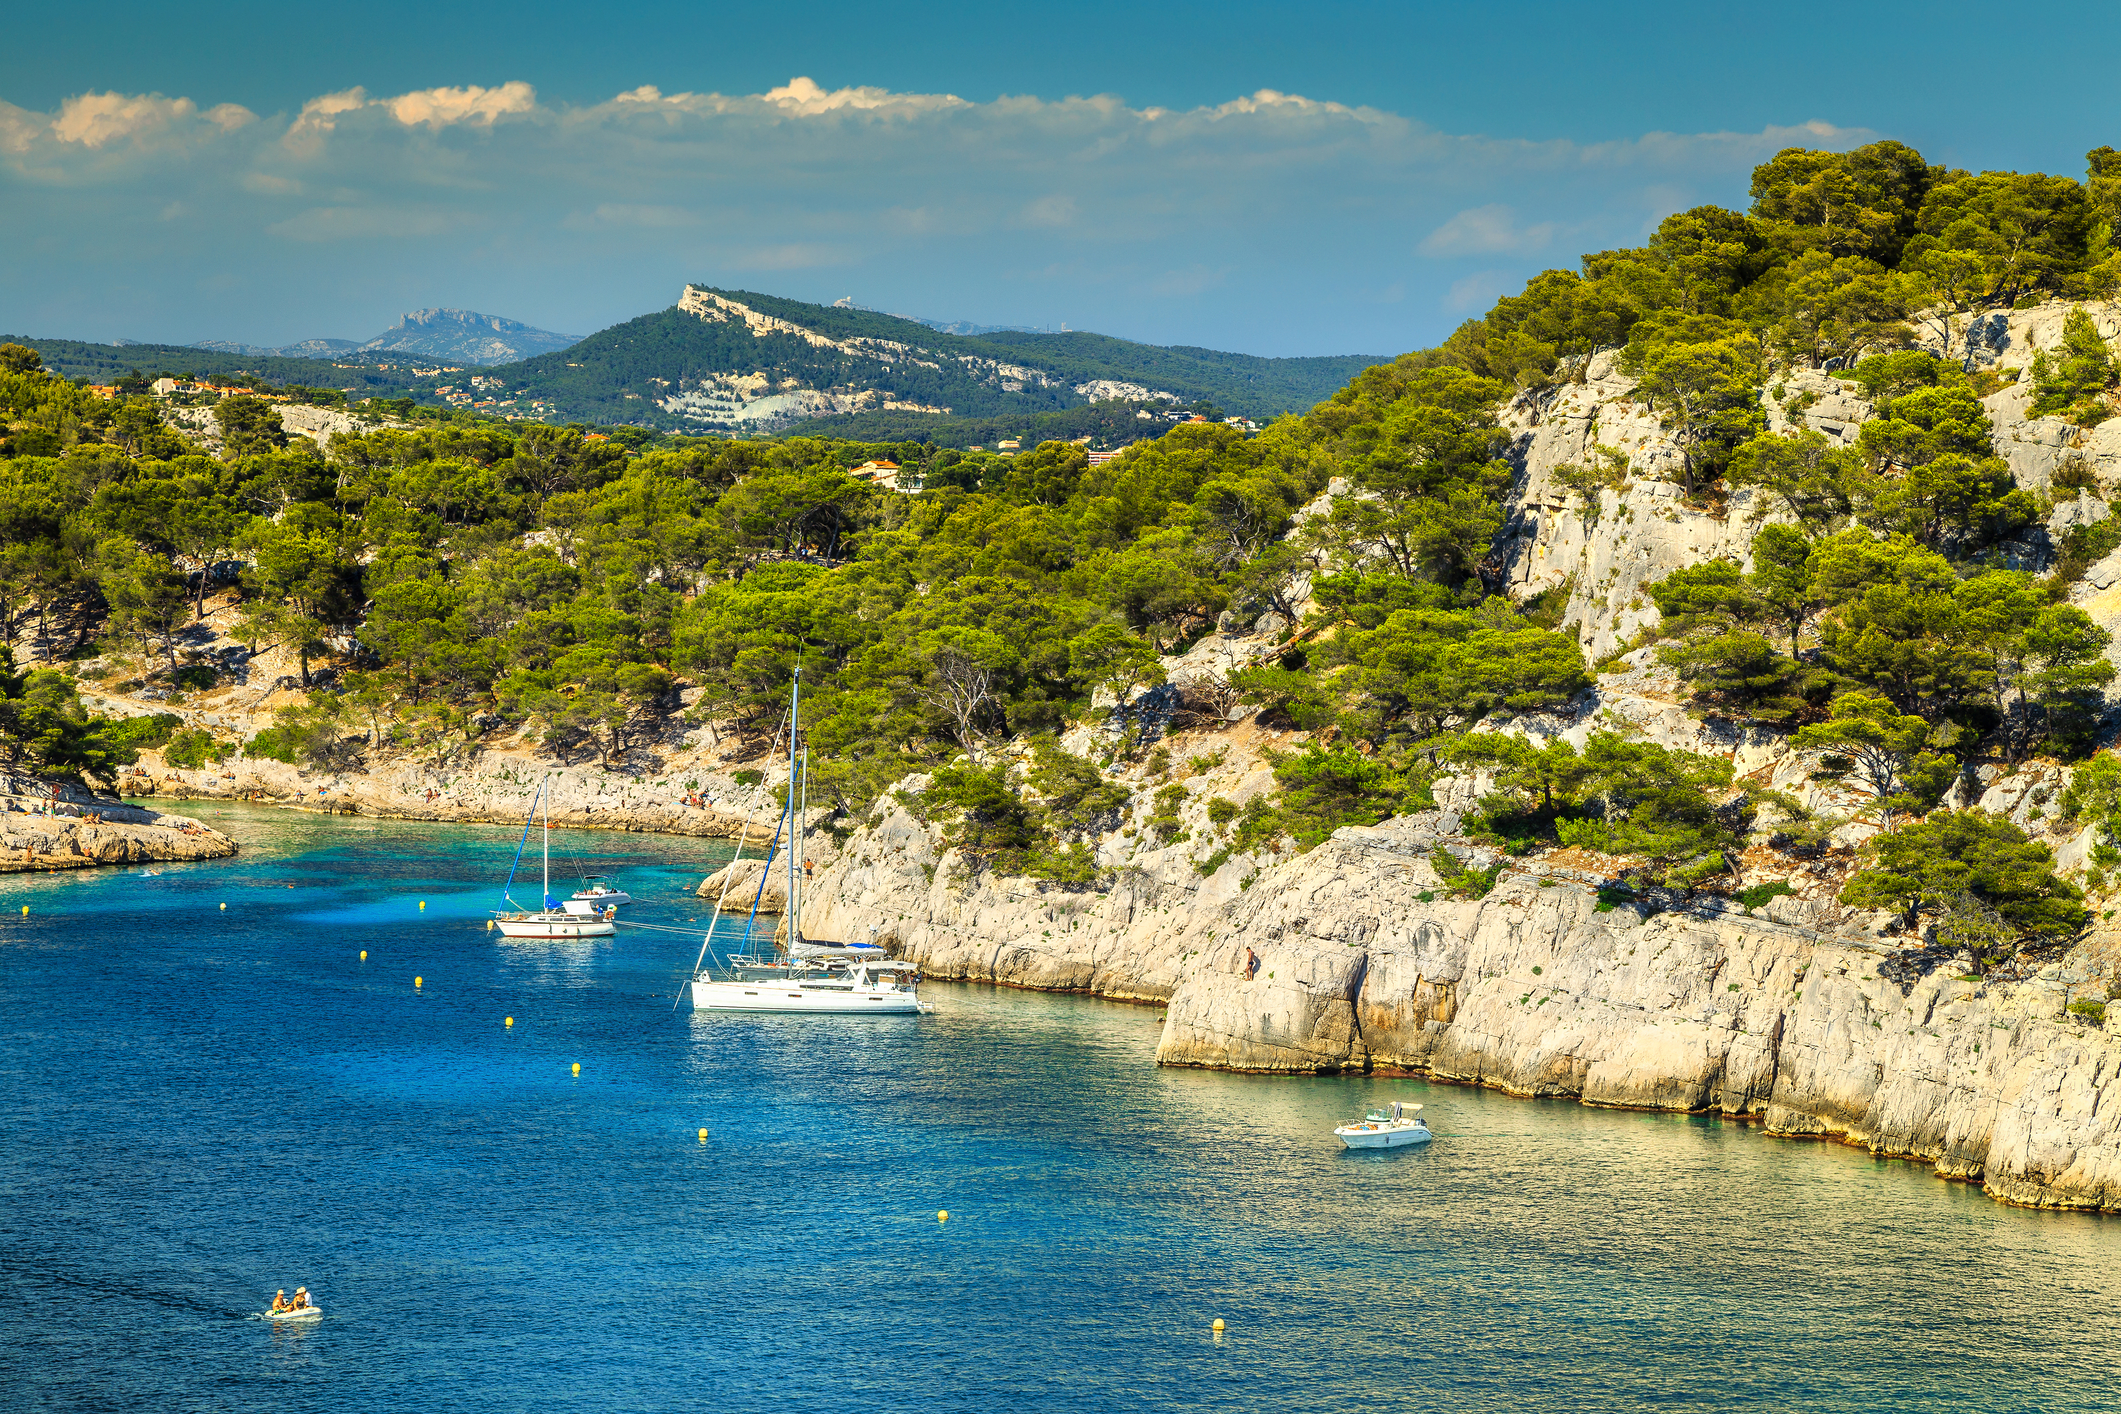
(1218, 1323)
(415, 981)
(489, 925)
(577, 1067)
(25, 910)
(364, 954)
(509, 1022)
(703, 1136)
(423, 904)
(943, 1216)
(224, 908)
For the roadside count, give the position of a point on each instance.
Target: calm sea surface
(202, 1106)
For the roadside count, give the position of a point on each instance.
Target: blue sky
(1291, 179)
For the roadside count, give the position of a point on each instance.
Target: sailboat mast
(795, 721)
(545, 899)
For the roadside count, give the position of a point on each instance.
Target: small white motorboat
(1388, 1128)
(598, 897)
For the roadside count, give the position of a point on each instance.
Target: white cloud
(439, 107)
(368, 223)
(90, 123)
(1477, 291)
(622, 213)
(1055, 209)
(797, 256)
(1488, 230)
(94, 119)
(801, 95)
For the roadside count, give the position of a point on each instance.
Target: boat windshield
(1378, 1117)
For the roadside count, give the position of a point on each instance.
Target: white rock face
(759, 399)
(738, 887)
(1354, 957)
(1606, 547)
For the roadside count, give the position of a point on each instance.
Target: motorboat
(805, 975)
(871, 988)
(600, 896)
(552, 922)
(1388, 1128)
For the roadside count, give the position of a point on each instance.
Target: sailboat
(551, 920)
(813, 977)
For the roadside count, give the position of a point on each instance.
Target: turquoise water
(204, 1106)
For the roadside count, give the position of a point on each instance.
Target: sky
(1290, 179)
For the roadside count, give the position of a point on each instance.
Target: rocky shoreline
(1355, 957)
(704, 804)
(104, 833)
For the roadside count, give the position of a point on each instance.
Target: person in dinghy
(279, 1302)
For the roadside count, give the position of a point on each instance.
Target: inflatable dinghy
(302, 1315)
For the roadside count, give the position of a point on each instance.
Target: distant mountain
(732, 360)
(970, 330)
(463, 336)
(308, 348)
(318, 348)
(446, 335)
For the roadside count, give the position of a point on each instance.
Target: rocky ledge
(104, 833)
(1355, 956)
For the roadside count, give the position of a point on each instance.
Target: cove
(203, 1106)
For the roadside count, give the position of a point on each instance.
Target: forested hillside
(640, 371)
(357, 373)
(1893, 612)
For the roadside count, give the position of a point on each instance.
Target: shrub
(142, 733)
(1464, 882)
(1759, 894)
(193, 748)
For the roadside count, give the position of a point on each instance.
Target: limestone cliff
(1603, 545)
(1354, 956)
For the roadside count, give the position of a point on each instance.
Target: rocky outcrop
(1602, 544)
(737, 884)
(112, 834)
(695, 796)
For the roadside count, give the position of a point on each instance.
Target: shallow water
(203, 1106)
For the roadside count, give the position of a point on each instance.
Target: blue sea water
(202, 1106)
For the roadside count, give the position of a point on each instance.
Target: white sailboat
(812, 977)
(550, 921)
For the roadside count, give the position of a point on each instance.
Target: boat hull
(563, 929)
(1360, 1138)
(778, 995)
